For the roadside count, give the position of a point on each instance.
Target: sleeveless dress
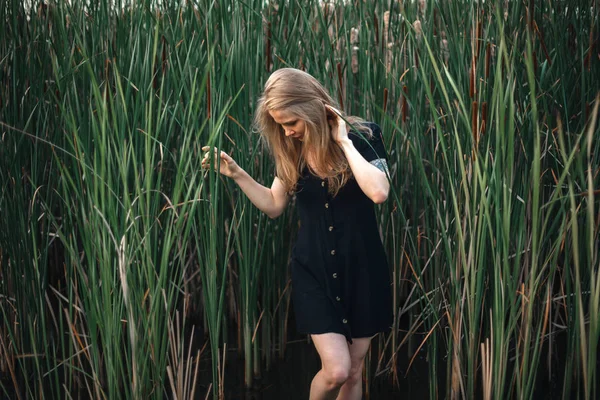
(340, 275)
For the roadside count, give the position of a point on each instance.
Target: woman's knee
(355, 375)
(337, 375)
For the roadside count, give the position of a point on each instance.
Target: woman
(341, 287)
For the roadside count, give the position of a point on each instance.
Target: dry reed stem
(97, 385)
(456, 380)
(421, 345)
(483, 126)
(9, 361)
(486, 369)
(208, 391)
(222, 373)
(543, 43)
(488, 54)
(478, 38)
(404, 118)
(131, 322)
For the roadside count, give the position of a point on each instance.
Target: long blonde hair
(302, 96)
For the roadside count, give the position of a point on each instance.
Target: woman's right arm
(270, 201)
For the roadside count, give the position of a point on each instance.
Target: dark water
(290, 378)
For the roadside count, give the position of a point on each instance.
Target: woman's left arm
(372, 180)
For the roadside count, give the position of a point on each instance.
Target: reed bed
(122, 263)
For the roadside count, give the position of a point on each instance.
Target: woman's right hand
(227, 165)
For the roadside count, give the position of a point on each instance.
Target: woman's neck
(310, 162)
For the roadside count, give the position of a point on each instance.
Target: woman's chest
(312, 189)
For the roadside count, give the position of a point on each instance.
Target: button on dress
(340, 275)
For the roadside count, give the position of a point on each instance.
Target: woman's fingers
(335, 110)
(206, 148)
(222, 156)
(226, 157)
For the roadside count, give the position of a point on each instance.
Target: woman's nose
(289, 132)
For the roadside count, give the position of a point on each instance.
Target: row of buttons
(345, 321)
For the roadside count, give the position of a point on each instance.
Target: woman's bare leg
(352, 388)
(335, 366)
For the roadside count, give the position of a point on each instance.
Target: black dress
(340, 274)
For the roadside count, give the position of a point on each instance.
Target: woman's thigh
(358, 349)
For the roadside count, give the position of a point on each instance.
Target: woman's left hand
(339, 131)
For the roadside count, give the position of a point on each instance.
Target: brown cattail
(418, 30)
(268, 45)
(474, 123)
(327, 9)
(472, 79)
(340, 82)
(385, 98)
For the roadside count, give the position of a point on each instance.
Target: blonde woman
(340, 280)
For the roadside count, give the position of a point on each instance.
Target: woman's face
(293, 126)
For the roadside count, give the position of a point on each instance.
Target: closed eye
(291, 123)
